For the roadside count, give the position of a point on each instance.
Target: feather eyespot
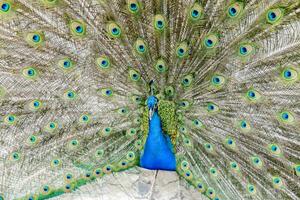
(98, 172)
(103, 62)
(274, 149)
(286, 117)
(253, 96)
(246, 50)
(140, 46)
(32, 140)
(30, 72)
(133, 6)
(187, 81)
(10, 119)
(257, 162)
(114, 30)
(46, 189)
(78, 28)
(15, 156)
(160, 66)
(211, 41)
(35, 105)
(234, 10)
(5, 7)
(196, 12)
(107, 92)
(217, 81)
(274, 15)
(66, 64)
(277, 182)
(251, 189)
(35, 39)
(289, 75)
(134, 75)
(210, 192)
(159, 22)
(212, 108)
(200, 186)
(182, 50)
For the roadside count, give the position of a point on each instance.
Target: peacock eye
(234, 10)
(213, 171)
(66, 64)
(123, 111)
(188, 174)
(217, 81)
(15, 156)
(88, 175)
(277, 182)
(131, 132)
(140, 46)
(78, 28)
(200, 186)
(184, 165)
(244, 124)
(211, 41)
(274, 149)
(99, 153)
(253, 96)
(106, 131)
(35, 105)
(70, 95)
(187, 81)
(35, 39)
(130, 156)
(251, 189)
(84, 119)
(230, 143)
(133, 6)
(32, 139)
(286, 117)
(29, 72)
(210, 192)
(103, 62)
(257, 162)
(212, 108)
(208, 146)
(289, 75)
(134, 75)
(184, 104)
(97, 171)
(182, 50)
(197, 123)
(234, 165)
(196, 12)
(5, 7)
(107, 92)
(159, 22)
(245, 50)
(160, 66)
(274, 15)
(114, 30)
(10, 119)
(46, 188)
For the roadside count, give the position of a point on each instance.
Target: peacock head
(152, 105)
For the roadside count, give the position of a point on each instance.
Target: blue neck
(158, 153)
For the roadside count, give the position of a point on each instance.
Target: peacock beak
(151, 111)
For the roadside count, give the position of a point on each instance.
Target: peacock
(207, 89)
